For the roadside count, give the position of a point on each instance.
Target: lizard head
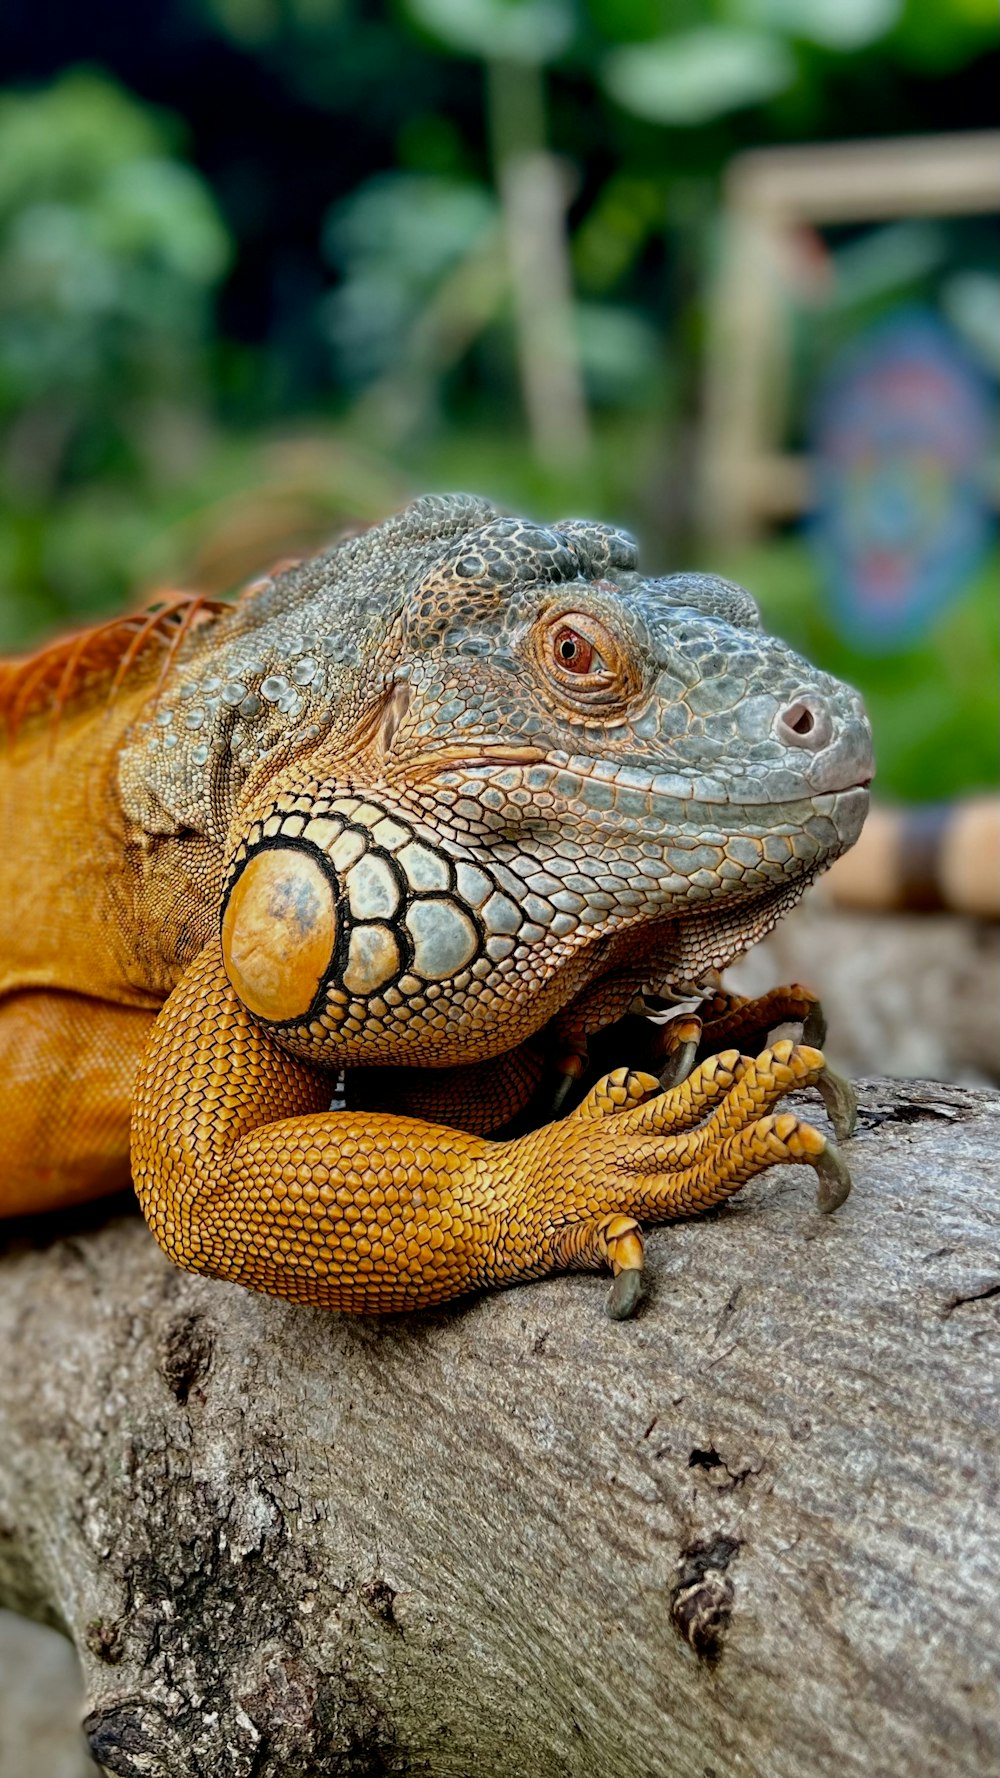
(503, 749)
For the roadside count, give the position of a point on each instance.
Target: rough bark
(753, 1532)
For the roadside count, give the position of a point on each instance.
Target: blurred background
(267, 266)
(722, 270)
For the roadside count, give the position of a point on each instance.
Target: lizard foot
(668, 1154)
(740, 1093)
(734, 1018)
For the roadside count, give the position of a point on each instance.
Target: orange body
(82, 971)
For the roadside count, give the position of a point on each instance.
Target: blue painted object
(905, 429)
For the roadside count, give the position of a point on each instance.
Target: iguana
(431, 811)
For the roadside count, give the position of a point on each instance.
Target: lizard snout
(840, 741)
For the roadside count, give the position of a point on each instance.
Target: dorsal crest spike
(103, 655)
(430, 519)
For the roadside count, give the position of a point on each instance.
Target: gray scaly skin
(675, 807)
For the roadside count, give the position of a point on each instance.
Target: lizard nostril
(805, 723)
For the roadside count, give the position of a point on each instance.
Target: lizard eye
(573, 652)
(586, 664)
(581, 647)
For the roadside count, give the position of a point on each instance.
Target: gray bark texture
(752, 1534)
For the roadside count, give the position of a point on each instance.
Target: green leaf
(532, 31)
(834, 24)
(695, 76)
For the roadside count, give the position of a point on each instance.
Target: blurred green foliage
(148, 430)
(394, 242)
(110, 247)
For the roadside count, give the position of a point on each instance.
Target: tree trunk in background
(533, 188)
(754, 1532)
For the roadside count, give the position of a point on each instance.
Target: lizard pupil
(573, 651)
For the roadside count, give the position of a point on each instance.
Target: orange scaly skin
(435, 809)
(352, 1212)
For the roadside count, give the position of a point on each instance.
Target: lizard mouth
(857, 786)
(425, 767)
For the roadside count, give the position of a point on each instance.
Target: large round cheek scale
(278, 932)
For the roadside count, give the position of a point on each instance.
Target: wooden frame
(745, 477)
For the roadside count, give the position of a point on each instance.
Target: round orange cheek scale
(278, 932)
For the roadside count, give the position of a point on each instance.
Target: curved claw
(625, 1294)
(561, 1093)
(814, 1026)
(623, 1245)
(685, 1037)
(833, 1177)
(841, 1103)
(678, 1065)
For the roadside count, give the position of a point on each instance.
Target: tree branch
(753, 1532)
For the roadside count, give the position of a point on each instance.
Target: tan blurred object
(535, 194)
(300, 491)
(771, 196)
(932, 857)
(970, 859)
(41, 1702)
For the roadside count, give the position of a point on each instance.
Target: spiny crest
(83, 664)
(80, 666)
(363, 568)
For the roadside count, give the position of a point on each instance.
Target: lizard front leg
(243, 1173)
(480, 1097)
